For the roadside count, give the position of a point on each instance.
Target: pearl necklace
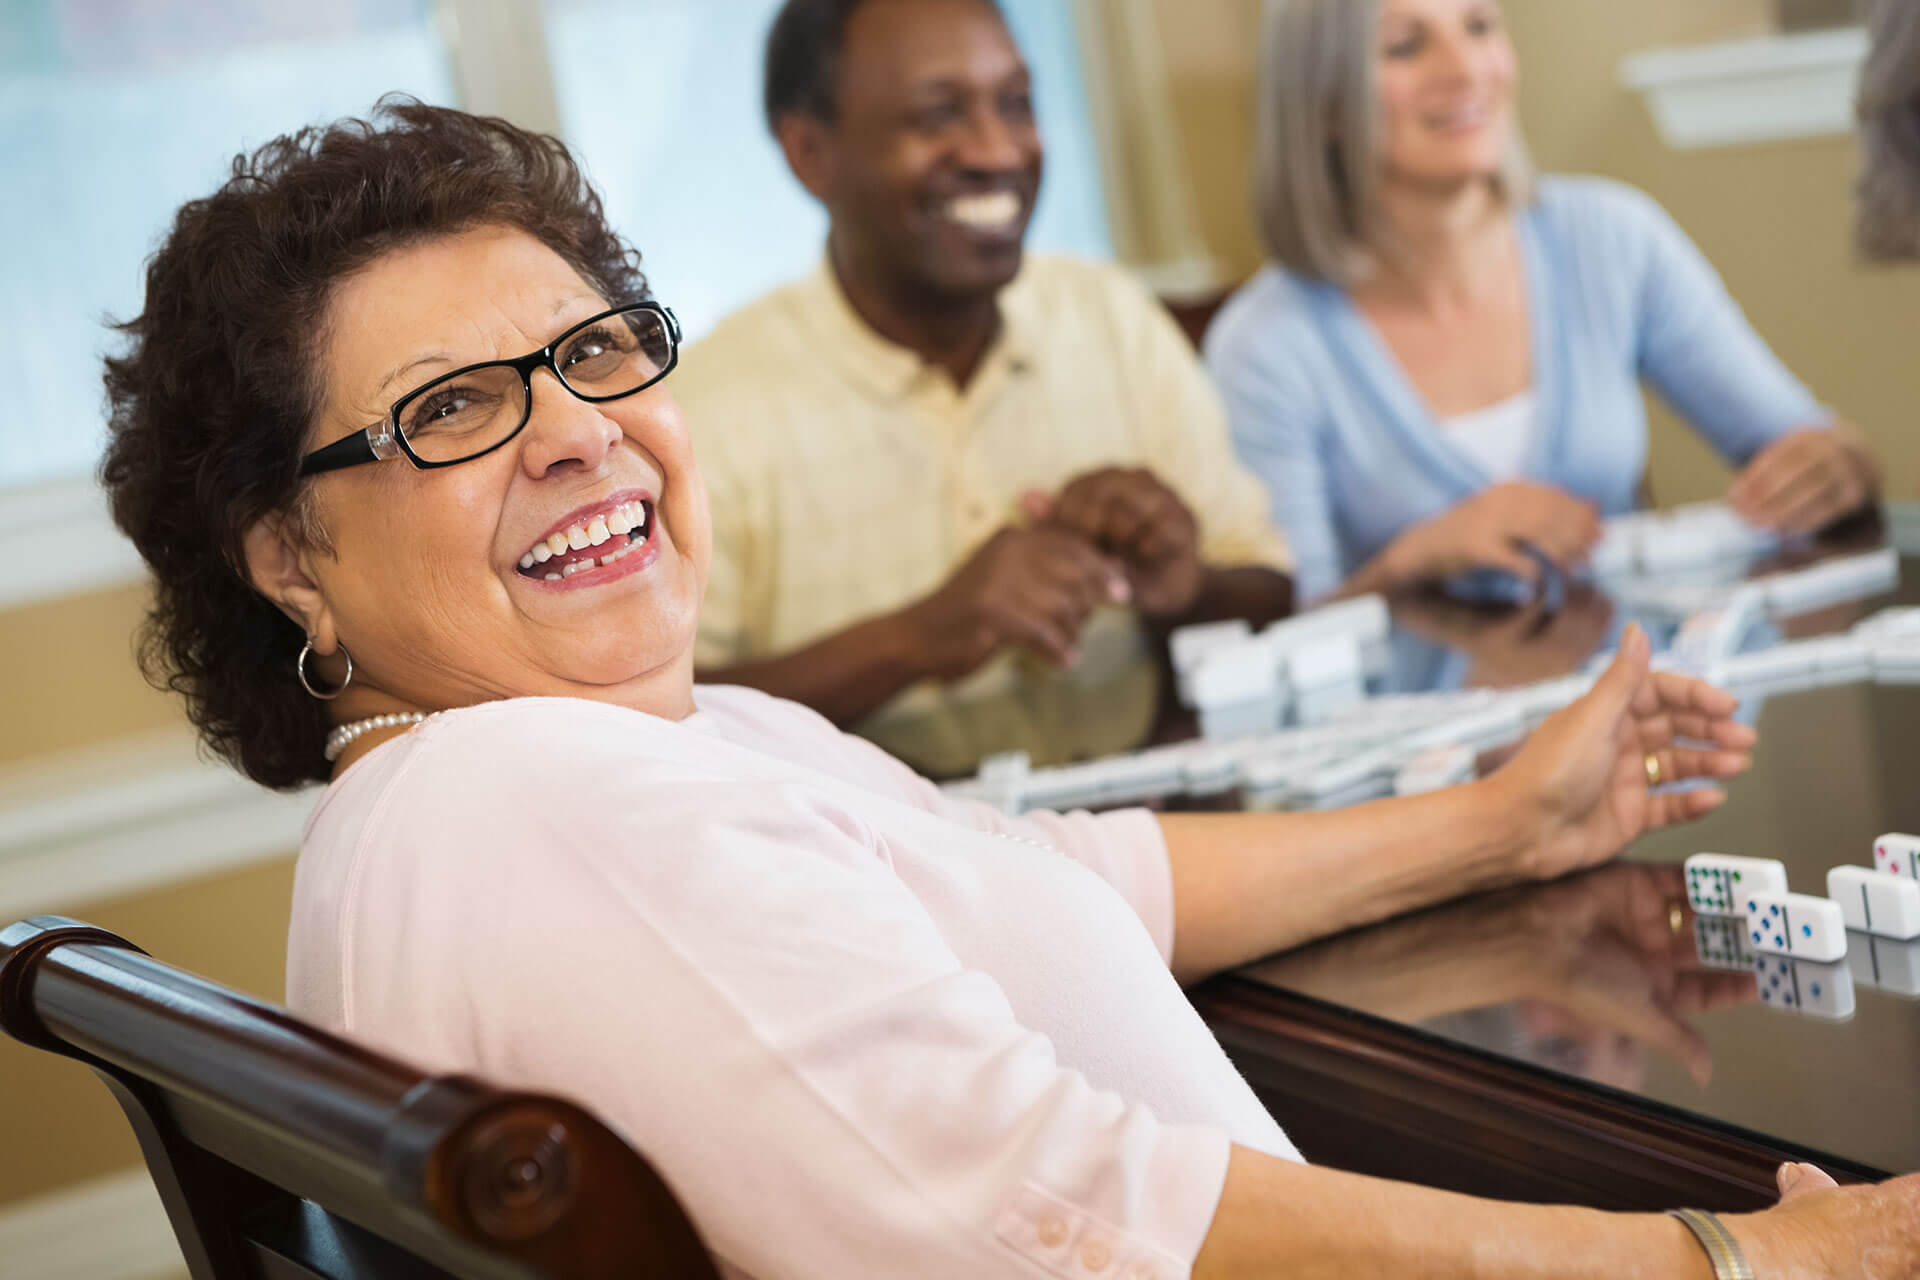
(340, 738)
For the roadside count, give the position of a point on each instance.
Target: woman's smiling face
(425, 584)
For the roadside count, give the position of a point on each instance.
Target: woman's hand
(1605, 950)
(1492, 530)
(1581, 779)
(1806, 480)
(1834, 1233)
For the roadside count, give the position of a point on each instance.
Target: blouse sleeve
(770, 1015)
(1698, 350)
(1274, 414)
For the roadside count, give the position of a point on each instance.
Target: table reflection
(1585, 975)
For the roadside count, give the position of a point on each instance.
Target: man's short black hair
(803, 57)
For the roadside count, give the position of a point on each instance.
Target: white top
(859, 1029)
(1497, 437)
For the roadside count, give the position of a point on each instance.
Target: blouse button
(1094, 1255)
(1052, 1232)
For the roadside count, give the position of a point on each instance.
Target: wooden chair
(282, 1151)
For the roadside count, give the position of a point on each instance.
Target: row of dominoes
(1882, 900)
(1784, 594)
(1307, 667)
(1652, 542)
(1814, 988)
(1402, 744)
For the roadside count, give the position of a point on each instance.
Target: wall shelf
(1740, 92)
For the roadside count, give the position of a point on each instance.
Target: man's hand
(1128, 514)
(1806, 480)
(1490, 531)
(1582, 775)
(1031, 587)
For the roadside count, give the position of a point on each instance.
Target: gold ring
(1653, 770)
(1676, 918)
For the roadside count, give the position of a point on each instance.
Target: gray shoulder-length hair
(1316, 139)
(1888, 219)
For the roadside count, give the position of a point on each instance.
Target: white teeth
(575, 566)
(553, 577)
(628, 520)
(987, 212)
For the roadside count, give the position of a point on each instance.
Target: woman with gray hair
(1439, 373)
(1889, 226)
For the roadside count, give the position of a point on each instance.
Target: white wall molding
(57, 539)
(1746, 91)
(111, 1228)
(132, 816)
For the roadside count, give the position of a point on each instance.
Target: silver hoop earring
(306, 682)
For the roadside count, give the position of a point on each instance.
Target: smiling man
(958, 492)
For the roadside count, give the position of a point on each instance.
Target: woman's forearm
(1246, 885)
(1281, 1219)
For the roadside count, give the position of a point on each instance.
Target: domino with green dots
(1716, 882)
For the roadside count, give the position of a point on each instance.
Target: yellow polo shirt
(849, 479)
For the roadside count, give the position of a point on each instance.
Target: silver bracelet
(1729, 1263)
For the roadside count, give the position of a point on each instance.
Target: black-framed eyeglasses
(462, 415)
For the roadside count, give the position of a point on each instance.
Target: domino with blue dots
(1796, 924)
(1808, 987)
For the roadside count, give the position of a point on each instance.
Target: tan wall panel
(58, 1123)
(1773, 218)
(68, 677)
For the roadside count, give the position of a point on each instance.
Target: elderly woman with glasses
(1439, 373)
(397, 393)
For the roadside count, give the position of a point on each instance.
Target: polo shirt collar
(888, 370)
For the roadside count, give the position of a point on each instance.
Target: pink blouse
(862, 1028)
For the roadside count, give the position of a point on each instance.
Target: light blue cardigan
(1350, 454)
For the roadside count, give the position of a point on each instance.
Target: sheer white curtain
(663, 102)
(113, 113)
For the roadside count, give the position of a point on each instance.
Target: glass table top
(1609, 977)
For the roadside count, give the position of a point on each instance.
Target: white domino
(1795, 924)
(1840, 659)
(1721, 943)
(1876, 901)
(1885, 964)
(1897, 854)
(1717, 881)
(1812, 988)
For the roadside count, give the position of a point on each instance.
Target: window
(115, 112)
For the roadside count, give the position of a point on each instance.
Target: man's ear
(808, 145)
(276, 566)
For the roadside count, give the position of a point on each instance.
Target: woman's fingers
(1670, 808)
(1798, 1179)
(1672, 691)
(1678, 764)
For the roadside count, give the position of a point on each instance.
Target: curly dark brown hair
(212, 399)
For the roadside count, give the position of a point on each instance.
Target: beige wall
(67, 675)
(1773, 218)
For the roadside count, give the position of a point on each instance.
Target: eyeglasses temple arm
(347, 451)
